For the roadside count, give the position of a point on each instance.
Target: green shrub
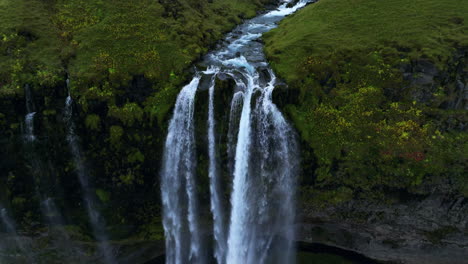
(93, 122)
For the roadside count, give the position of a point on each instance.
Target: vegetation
(429, 29)
(126, 62)
(370, 124)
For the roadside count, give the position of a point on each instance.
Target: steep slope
(378, 92)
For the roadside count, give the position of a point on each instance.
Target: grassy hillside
(29, 46)
(380, 103)
(104, 44)
(422, 29)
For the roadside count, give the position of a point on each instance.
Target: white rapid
(90, 200)
(178, 186)
(261, 158)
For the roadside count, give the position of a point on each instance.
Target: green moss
(128, 114)
(439, 234)
(93, 122)
(103, 195)
(49, 112)
(116, 133)
(136, 157)
(323, 198)
(29, 46)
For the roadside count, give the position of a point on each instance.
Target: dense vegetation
(380, 106)
(126, 61)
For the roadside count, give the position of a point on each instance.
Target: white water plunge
(178, 185)
(262, 159)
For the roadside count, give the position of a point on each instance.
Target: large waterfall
(261, 158)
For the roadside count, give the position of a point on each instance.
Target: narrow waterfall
(48, 207)
(7, 222)
(239, 233)
(233, 131)
(12, 246)
(41, 173)
(217, 209)
(178, 185)
(96, 220)
(262, 157)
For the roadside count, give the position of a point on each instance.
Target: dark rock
(432, 230)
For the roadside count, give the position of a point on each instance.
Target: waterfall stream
(262, 159)
(178, 184)
(95, 218)
(215, 191)
(11, 245)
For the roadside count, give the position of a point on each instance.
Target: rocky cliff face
(428, 224)
(432, 229)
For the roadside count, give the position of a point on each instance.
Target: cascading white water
(263, 163)
(239, 236)
(233, 130)
(219, 230)
(29, 126)
(178, 185)
(96, 220)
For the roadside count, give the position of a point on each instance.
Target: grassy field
(29, 46)
(423, 28)
(103, 45)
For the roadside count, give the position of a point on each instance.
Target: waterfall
(48, 207)
(15, 249)
(215, 191)
(261, 152)
(181, 206)
(41, 173)
(7, 222)
(238, 233)
(233, 130)
(89, 198)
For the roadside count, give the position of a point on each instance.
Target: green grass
(116, 40)
(29, 46)
(110, 42)
(428, 28)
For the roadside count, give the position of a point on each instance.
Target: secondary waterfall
(43, 181)
(96, 220)
(262, 158)
(11, 245)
